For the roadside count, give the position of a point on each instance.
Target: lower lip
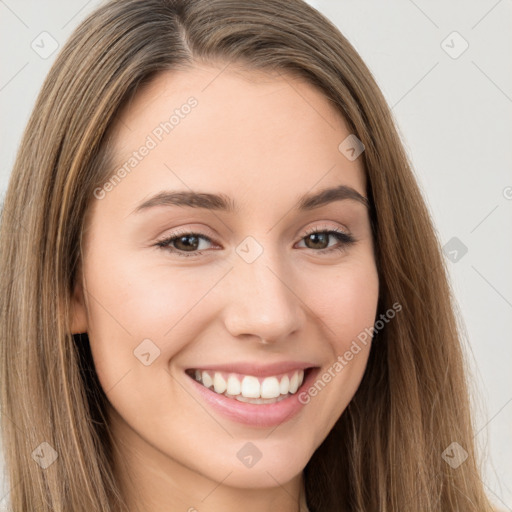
(256, 415)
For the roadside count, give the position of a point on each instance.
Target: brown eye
(183, 244)
(186, 243)
(319, 240)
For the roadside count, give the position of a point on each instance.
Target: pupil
(192, 245)
(318, 237)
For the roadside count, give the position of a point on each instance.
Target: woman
(173, 338)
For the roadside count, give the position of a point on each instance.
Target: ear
(78, 309)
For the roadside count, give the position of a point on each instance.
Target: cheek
(130, 297)
(344, 301)
(130, 302)
(345, 305)
(139, 318)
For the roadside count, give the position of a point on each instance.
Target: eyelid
(189, 230)
(324, 227)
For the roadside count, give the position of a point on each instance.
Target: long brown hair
(386, 451)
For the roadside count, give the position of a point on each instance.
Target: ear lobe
(78, 311)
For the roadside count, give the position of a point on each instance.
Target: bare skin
(263, 140)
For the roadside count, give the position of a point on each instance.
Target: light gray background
(454, 116)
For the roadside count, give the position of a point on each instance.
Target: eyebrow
(221, 202)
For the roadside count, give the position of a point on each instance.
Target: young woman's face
(245, 296)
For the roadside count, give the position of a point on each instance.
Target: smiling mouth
(248, 388)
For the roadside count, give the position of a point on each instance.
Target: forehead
(251, 135)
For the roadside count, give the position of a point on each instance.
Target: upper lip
(258, 370)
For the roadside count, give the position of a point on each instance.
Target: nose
(262, 301)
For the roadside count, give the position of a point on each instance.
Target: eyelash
(345, 239)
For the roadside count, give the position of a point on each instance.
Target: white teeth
(234, 386)
(285, 385)
(241, 398)
(270, 388)
(219, 384)
(207, 380)
(250, 386)
(294, 382)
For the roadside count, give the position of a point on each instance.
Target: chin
(260, 464)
